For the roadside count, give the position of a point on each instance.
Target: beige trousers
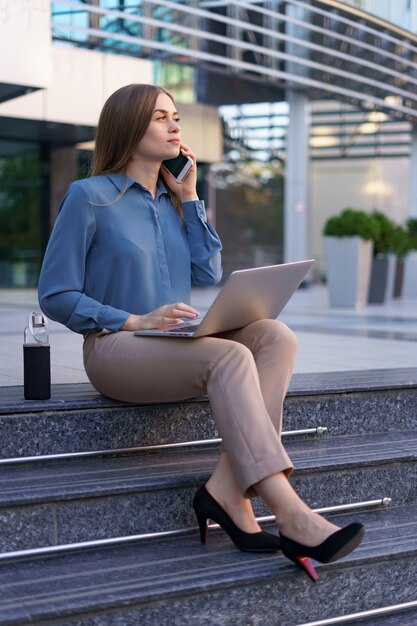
(244, 372)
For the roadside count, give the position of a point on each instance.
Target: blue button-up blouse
(116, 251)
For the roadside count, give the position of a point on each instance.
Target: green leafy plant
(401, 241)
(412, 232)
(352, 223)
(383, 244)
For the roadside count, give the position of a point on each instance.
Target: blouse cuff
(194, 209)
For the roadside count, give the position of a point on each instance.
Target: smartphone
(178, 167)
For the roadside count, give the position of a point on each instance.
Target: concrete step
(57, 502)
(179, 582)
(78, 419)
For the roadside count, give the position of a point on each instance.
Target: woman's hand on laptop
(165, 316)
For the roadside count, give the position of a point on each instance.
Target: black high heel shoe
(205, 506)
(339, 544)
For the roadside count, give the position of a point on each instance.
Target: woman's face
(162, 138)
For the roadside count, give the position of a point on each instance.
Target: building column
(44, 193)
(63, 171)
(413, 173)
(296, 187)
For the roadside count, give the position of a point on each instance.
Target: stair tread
(90, 477)
(145, 571)
(73, 396)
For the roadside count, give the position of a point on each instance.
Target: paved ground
(376, 337)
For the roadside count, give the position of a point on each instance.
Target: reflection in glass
(20, 224)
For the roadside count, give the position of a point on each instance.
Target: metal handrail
(319, 430)
(355, 617)
(111, 541)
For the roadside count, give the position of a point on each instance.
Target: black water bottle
(36, 359)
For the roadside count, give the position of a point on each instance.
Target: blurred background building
(295, 108)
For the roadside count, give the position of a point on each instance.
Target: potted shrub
(383, 263)
(349, 241)
(401, 246)
(410, 266)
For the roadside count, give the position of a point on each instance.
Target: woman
(127, 244)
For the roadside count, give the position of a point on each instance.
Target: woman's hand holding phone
(186, 190)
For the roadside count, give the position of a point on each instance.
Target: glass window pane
(20, 224)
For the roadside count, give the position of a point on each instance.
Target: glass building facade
(403, 13)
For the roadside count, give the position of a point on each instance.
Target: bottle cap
(38, 320)
(36, 329)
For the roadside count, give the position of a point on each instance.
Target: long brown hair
(124, 120)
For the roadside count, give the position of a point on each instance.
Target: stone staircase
(97, 529)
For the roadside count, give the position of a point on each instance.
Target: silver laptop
(247, 296)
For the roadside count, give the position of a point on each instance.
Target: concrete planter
(399, 278)
(410, 275)
(379, 277)
(392, 265)
(348, 270)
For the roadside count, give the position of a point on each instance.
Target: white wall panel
(381, 184)
(119, 71)
(83, 79)
(80, 83)
(75, 96)
(29, 107)
(25, 42)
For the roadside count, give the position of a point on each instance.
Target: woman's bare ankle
(306, 527)
(235, 505)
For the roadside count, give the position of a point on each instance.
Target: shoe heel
(202, 523)
(305, 564)
(206, 507)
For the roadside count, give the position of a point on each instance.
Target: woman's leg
(273, 346)
(224, 488)
(293, 517)
(151, 369)
(139, 369)
(148, 369)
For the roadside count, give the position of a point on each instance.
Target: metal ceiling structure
(322, 47)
